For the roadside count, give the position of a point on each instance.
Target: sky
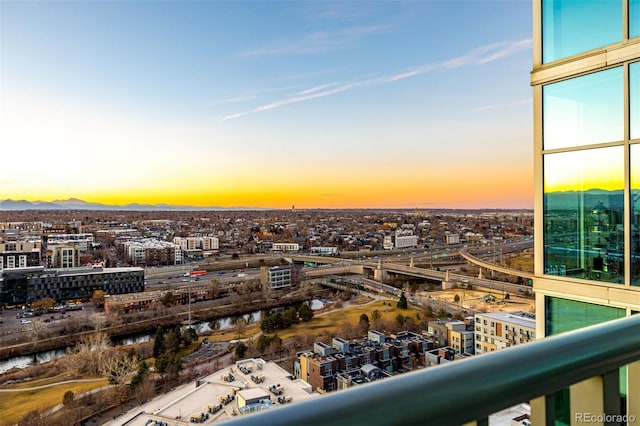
(312, 104)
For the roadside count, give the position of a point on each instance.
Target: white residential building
(499, 330)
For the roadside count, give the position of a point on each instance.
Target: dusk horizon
(73, 202)
(317, 105)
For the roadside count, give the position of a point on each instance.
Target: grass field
(14, 405)
(522, 262)
(332, 321)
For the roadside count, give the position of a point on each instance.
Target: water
(201, 327)
(27, 360)
(227, 323)
(317, 304)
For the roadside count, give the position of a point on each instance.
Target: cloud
(316, 89)
(505, 49)
(479, 56)
(318, 42)
(232, 116)
(512, 104)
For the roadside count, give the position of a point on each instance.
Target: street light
(190, 281)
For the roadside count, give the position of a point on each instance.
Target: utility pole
(190, 280)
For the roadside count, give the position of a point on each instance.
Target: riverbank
(202, 311)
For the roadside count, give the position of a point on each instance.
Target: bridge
(493, 267)
(381, 271)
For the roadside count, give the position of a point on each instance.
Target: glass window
(584, 110)
(634, 98)
(635, 214)
(563, 315)
(634, 18)
(584, 214)
(570, 27)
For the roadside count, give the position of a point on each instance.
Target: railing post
(587, 400)
(633, 390)
(550, 409)
(543, 410)
(611, 396)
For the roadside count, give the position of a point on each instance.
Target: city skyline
(268, 104)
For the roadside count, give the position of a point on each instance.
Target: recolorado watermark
(605, 418)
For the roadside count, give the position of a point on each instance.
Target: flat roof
(254, 393)
(525, 319)
(176, 407)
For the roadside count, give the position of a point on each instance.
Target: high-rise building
(586, 87)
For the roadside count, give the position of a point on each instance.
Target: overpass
(427, 274)
(334, 270)
(493, 267)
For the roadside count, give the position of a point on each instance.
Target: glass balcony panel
(570, 27)
(562, 315)
(584, 214)
(584, 110)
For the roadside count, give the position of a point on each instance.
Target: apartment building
(26, 285)
(344, 364)
(586, 87)
(63, 256)
(499, 330)
(280, 276)
(20, 254)
(82, 242)
(285, 247)
(441, 356)
(198, 245)
(152, 252)
(457, 334)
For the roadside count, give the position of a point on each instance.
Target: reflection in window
(584, 214)
(634, 18)
(635, 214)
(584, 110)
(563, 315)
(570, 27)
(634, 98)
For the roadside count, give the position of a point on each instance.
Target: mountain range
(76, 204)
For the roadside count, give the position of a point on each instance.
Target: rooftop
(195, 397)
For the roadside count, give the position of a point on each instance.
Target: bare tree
(89, 353)
(35, 330)
(120, 368)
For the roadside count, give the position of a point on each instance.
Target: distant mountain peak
(77, 204)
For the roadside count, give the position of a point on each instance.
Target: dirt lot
(481, 300)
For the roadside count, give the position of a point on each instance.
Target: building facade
(20, 254)
(500, 330)
(285, 247)
(586, 86)
(280, 276)
(152, 252)
(346, 363)
(27, 285)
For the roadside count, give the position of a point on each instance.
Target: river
(202, 327)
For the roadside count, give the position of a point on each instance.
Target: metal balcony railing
(471, 389)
